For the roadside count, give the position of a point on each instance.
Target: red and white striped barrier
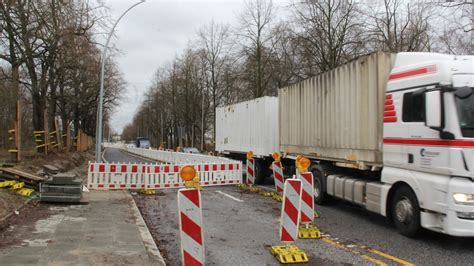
(191, 227)
(307, 197)
(159, 176)
(250, 171)
(116, 176)
(290, 217)
(278, 176)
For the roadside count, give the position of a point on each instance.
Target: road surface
(240, 227)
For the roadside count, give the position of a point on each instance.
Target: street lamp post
(101, 93)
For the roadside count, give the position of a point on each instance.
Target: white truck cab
(428, 144)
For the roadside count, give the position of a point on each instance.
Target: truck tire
(320, 196)
(259, 172)
(406, 211)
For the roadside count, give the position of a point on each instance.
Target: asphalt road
(240, 229)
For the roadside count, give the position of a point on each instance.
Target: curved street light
(101, 93)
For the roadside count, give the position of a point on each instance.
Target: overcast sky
(154, 32)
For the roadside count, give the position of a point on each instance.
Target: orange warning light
(188, 173)
(249, 154)
(276, 156)
(304, 164)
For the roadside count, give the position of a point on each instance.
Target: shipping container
(337, 115)
(250, 125)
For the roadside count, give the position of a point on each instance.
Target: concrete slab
(110, 230)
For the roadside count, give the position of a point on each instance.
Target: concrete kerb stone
(150, 244)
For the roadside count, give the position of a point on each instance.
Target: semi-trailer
(392, 133)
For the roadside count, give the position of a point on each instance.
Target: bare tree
(329, 33)
(256, 42)
(397, 25)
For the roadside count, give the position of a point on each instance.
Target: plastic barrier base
(147, 191)
(277, 197)
(7, 184)
(310, 231)
(26, 192)
(265, 193)
(18, 185)
(289, 254)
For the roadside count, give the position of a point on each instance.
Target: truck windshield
(465, 106)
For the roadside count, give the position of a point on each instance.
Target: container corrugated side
(250, 125)
(337, 115)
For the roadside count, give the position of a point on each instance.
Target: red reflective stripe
(430, 142)
(206, 183)
(291, 211)
(304, 218)
(190, 260)
(91, 169)
(134, 168)
(199, 168)
(113, 168)
(157, 185)
(167, 185)
(190, 228)
(222, 167)
(214, 167)
(206, 167)
(388, 96)
(222, 182)
(133, 185)
(388, 102)
(237, 166)
(101, 168)
(390, 119)
(285, 236)
(231, 181)
(176, 185)
(192, 195)
(124, 168)
(122, 185)
(100, 185)
(389, 108)
(214, 182)
(176, 169)
(389, 113)
(413, 72)
(167, 169)
(143, 169)
(111, 185)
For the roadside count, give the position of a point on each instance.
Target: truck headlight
(463, 198)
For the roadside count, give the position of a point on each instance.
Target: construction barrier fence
(159, 176)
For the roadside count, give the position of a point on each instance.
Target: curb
(150, 244)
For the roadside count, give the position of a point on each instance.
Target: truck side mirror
(433, 113)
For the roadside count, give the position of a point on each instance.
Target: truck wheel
(406, 211)
(319, 184)
(259, 172)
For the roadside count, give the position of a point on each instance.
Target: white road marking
(229, 196)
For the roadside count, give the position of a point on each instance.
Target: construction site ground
(107, 230)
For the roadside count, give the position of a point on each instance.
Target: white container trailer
(249, 126)
(391, 133)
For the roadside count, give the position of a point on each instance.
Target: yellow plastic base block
(254, 189)
(265, 193)
(308, 231)
(289, 254)
(7, 183)
(277, 197)
(242, 186)
(26, 191)
(147, 191)
(18, 185)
